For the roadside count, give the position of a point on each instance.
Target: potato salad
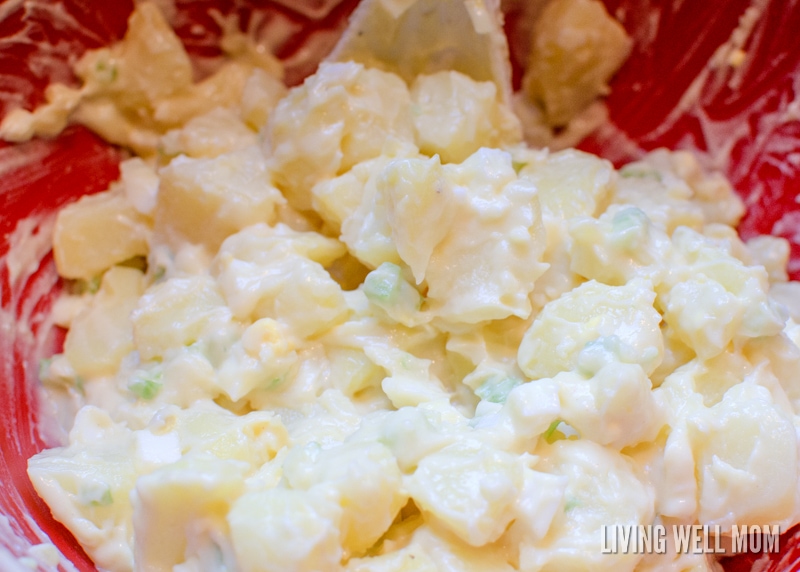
(359, 326)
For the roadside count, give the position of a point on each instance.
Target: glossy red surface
(742, 121)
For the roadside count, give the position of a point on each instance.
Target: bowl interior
(676, 90)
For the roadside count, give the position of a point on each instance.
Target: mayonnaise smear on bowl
(360, 326)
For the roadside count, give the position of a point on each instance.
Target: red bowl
(742, 121)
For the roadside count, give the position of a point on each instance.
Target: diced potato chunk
(262, 244)
(283, 530)
(434, 550)
(262, 360)
(261, 94)
(616, 247)
(741, 443)
(87, 484)
(262, 276)
(365, 229)
(496, 232)
(253, 438)
(176, 313)
(470, 488)
(571, 183)
(405, 560)
(222, 89)
(97, 232)
(674, 190)
(454, 116)
(214, 133)
(339, 198)
(137, 89)
(352, 371)
(615, 407)
(152, 60)
(169, 502)
(421, 208)
(140, 183)
(102, 335)
(592, 311)
(576, 48)
(206, 200)
(602, 487)
(714, 298)
(339, 117)
(368, 483)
